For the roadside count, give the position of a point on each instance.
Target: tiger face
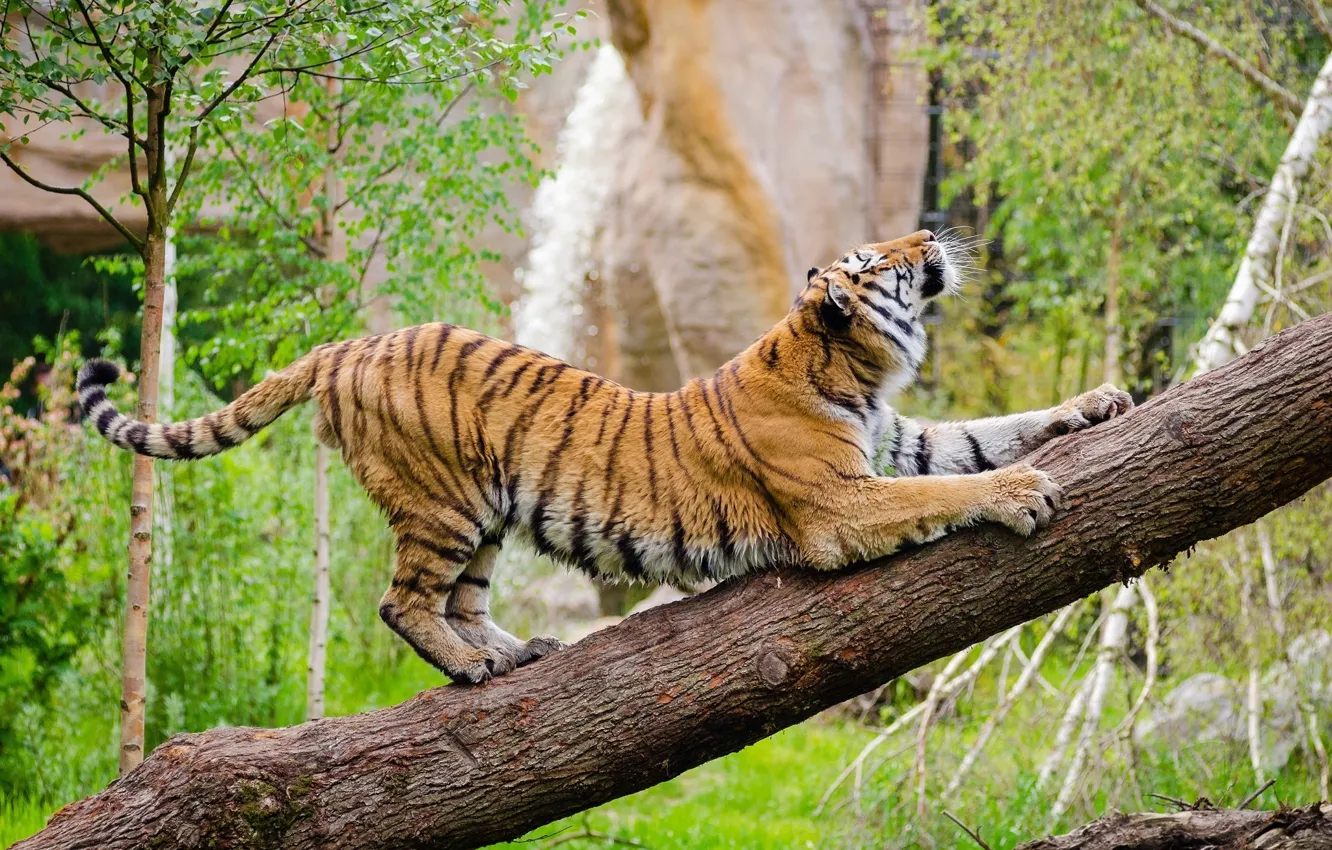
(877, 293)
(919, 263)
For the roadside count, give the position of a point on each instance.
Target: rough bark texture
(680, 684)
(1309, 828)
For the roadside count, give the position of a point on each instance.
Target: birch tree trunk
(335, 251)
(1260, 256)
(1113, 328)
(319, 606)
(165, 507)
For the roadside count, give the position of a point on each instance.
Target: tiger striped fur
(464, 440)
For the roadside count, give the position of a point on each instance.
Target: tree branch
(129, 235)
(678, 685)
(1319, 17)
(183, 177)
(1268, 86)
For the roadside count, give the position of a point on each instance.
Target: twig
(1153, 641)
(1315, 10)
(1183, 806)
(1256, 794)
(1114, 636)
(936, 698)
(932, 700)
(1278, 618)
(1268, 86)
(1064, 736)
(975, 836)
(590, 834)
(1030, 672)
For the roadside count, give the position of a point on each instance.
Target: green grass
(20, 818)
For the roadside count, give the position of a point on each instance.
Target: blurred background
(643, 201)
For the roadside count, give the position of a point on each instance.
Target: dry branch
(1309, 828)
(678, 685)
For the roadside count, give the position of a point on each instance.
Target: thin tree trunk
(135, 646)
(659, 693)
(319, 606)
(1113, 329)
(165, 498)
(1260, 256)
(134, 673)
(1253, 701)
(335, 251)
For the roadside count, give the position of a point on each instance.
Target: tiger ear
(836, 306)
(840, 296)
(810, 275)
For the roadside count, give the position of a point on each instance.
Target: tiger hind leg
(468, 614)
(414, 607)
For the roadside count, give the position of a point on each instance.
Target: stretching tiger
(463, 440)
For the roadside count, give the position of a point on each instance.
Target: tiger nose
(928, 236)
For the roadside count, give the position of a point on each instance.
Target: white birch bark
(319, 605)
(1114, 639)
(1030, 671)
(1261, 254)
(163, 516)
(335, 251)
(1307, 708)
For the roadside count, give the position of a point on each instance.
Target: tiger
(788, 455)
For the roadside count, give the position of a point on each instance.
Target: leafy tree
(160, 75)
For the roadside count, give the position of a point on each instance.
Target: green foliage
(405, 173)
(45, 291)
(1096, 132)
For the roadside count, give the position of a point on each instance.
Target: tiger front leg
(468, 615)
(878, 516)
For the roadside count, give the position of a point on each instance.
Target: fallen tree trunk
(678, 685)
(1309, 828)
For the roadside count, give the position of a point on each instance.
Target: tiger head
(881, 289)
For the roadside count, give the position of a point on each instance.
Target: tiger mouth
(938, 275)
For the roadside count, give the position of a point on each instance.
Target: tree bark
(678, 685)
(1309, 828)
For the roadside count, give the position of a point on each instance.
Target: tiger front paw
(1091, 408)
(538, 648)
(1022, 498)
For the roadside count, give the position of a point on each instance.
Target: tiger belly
(617, 548)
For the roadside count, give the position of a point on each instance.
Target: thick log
(678, 685)
(1309, 828)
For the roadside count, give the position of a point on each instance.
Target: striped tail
(195, 438)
